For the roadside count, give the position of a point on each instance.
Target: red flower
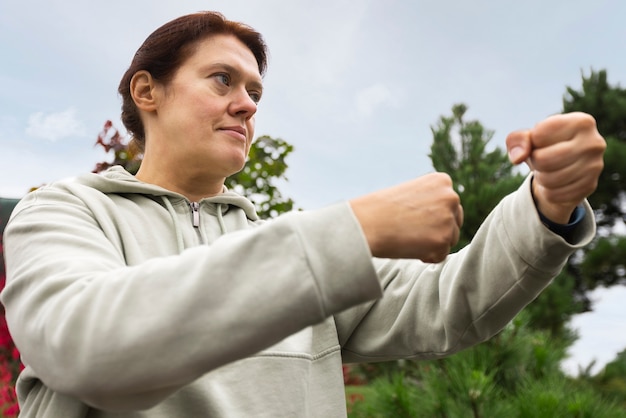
(10, 364)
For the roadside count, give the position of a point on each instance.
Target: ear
(142, 90)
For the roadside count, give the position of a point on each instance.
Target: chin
(236, 166)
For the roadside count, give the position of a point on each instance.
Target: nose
(242, 104)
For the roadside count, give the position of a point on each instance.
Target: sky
(355, 86)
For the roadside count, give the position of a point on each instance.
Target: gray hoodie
(126, 300)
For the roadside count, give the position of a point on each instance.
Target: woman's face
(205, 113)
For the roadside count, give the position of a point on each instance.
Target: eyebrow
(233, 70)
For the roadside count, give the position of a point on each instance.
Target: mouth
(236, 131)
(239, 129)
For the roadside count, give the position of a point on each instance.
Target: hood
(119, 181)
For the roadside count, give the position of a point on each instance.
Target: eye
(255, 96)
(222, 78)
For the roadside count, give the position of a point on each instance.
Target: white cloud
(369, 99)
(54, 126)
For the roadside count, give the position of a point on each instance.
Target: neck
(194, 186)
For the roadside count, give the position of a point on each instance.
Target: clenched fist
(565, 153)
(417, 219)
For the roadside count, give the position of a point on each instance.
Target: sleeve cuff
(564, 230)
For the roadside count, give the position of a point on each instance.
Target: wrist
(565, 230)
(556, 213)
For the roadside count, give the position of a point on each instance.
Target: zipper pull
(195, 214)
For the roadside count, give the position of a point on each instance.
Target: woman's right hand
(418, 219)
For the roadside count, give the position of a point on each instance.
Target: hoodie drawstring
(220, 219)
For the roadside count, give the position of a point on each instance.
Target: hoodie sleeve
(122, 337)
(434, 310)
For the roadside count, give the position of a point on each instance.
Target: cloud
(369, 99)
(54, 126)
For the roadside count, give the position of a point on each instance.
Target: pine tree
(602, 263)
(481, 177)
(517, 372)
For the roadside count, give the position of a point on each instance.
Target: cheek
(250, 124)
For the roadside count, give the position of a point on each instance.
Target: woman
(163, 295)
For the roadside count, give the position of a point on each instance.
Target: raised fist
(565, 153)
(417, 219)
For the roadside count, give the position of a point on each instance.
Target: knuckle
(436, 256)
(598, 167)
(600, 143)
(444, 178)
(447, 237)
(455, 200)
(586, 120)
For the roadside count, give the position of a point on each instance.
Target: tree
(481, 177)
(607, 104)
(603, 262)
(612, 379)
(265, 166)
(111, 139)
(517, 372)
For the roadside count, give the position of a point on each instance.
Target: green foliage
(266, 164)
(257, 180)
(609, 197)
(558, 397)
(393, 397)
(515, 374)
(602, 263)
(111, 139)
(602, 100)
(615, 369)
(612, 380)
(607, 104)
(482, 178)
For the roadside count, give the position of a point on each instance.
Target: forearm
(432, 310)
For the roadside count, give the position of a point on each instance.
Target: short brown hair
(165, 50)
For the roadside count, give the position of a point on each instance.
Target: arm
(434, 310)
(125, 337)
